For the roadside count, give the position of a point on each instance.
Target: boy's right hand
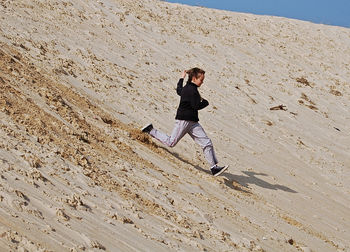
(184, 74)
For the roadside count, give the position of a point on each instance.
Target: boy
(187, 119)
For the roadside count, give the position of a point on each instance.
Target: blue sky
(331, 12)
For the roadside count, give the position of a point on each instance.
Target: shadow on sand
(250, 178)
(238, 182)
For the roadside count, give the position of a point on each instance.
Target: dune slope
(79, 78)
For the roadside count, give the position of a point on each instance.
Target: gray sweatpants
(195, 130)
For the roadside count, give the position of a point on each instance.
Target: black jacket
(190, 101)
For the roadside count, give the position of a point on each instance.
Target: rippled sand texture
(79, 78)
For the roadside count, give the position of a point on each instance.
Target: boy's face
(198, 81)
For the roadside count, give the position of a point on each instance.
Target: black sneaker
(147, 128)
(217, 170)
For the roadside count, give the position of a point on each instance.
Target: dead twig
(279, 107)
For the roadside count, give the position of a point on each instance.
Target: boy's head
(196, 76)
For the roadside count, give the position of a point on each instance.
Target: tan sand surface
(79, 78)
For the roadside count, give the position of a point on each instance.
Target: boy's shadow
(239, 182)
(250, 178)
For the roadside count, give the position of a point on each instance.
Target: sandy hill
(79, 78)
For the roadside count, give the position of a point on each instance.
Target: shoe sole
(223, 169)
(145, 127)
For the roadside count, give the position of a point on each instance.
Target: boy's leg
(180, 129)
(200, 137)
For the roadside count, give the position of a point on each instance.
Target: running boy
(187, 119)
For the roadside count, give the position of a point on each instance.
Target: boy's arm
(181, 83)
(203, 104)
(179, 86)
(197, 102)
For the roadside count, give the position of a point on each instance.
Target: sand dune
(79, 78)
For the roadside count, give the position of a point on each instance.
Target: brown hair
(194, 72)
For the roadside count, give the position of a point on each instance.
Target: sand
(79, 78)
